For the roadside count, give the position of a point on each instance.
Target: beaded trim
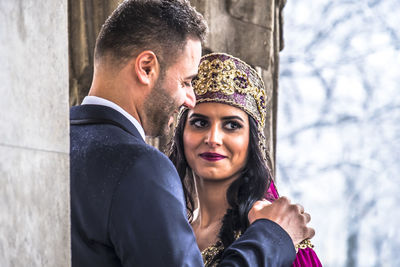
(306, 243)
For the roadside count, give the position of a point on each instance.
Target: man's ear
(147, 67)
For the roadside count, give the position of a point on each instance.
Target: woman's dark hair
(241, 194)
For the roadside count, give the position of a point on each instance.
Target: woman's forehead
(217, 109)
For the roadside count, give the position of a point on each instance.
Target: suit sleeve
(264, 243)
(147, 223)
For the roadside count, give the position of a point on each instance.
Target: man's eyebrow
(191, 77)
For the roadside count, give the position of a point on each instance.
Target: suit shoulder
(151, 159)
(149, 169)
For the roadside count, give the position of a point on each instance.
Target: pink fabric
(307, 258)
(304, 257)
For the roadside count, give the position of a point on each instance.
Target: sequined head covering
(225, 79)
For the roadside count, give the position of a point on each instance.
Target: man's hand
(291, 217)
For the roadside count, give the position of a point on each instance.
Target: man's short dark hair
(162, 26)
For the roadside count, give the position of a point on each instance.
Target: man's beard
(159, 107)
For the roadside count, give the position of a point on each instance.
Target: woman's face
(216, 141)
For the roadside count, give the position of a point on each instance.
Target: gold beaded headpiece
(225, 79)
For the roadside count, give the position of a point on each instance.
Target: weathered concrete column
(34, 136)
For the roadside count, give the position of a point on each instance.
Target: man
(127, 206)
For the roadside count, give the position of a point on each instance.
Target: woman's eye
(187, 84)
(198, 123)
(232, 125)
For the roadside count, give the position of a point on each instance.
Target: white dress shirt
(95, 100)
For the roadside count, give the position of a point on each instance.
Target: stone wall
(34, 139)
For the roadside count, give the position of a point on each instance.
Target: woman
(220, 154)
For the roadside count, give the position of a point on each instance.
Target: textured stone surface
(85, 20)
(34, 137)
(242, 29)
(34, 74)
(34, 219)
(270, 118)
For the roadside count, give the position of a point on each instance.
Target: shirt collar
(95, 100)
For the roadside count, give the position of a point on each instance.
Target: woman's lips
(212, 156)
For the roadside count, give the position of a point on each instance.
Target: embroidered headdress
(223, 78)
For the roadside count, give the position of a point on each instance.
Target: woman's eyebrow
(225, 118)
(197, 115)
(232, 118)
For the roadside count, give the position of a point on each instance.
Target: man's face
(172, 90)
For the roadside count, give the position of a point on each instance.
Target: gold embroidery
(209, 254)
(306, 243)
(225, 77)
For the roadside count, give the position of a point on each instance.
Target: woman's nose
(214, 136)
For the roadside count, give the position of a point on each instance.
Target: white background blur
(338, 150)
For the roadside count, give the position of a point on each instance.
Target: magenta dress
(305, 257)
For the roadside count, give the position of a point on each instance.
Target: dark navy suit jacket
(127, 204)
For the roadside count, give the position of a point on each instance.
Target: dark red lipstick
(212, 156)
